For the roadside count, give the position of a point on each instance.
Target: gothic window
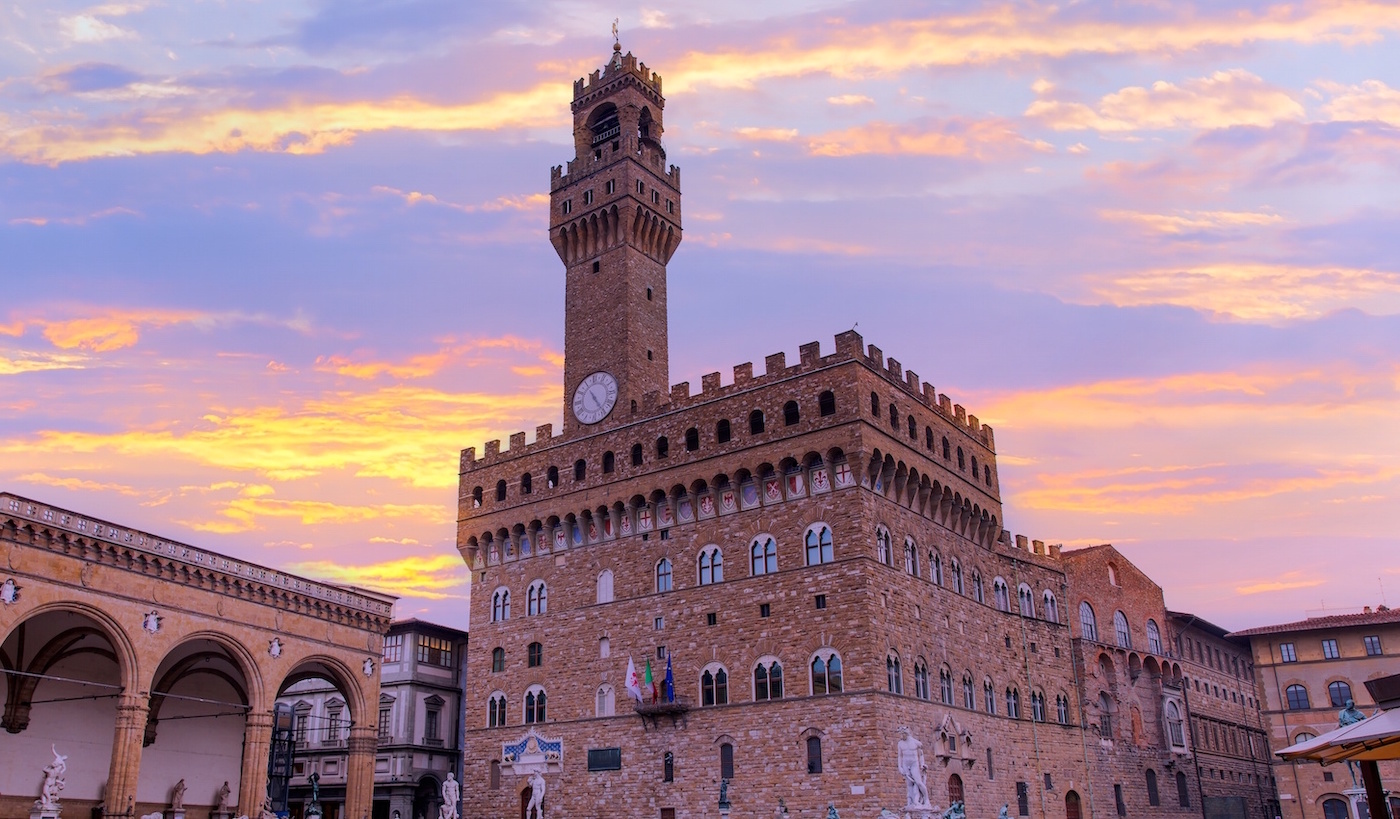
(768, 679)
(1105, 716)
(552, 477)
(609, 462)
(526, 484)
(913, 429)
(500, 490)
(945, 685)
(605, 586)
(826, 672)
(894, 417)
(763, 555)
(534, 705)
(500, 605)
(476, 497)
(1339, 692)
(496, 710)
(726, 761)
(874, 405)
(711, 566)
(974, 467)
(989, 696)
(722, 432)
(714, 686)
(604, 648)
(962, 464)
(1153, 797)
(498, 660)
(946, 450)
(580, 469)
(791, 415)
(969, 698)
(636, 454)
(1026, 600)
(921, 687)
(986, 474)
(1052, 606)
(956, 568)
(911, 557)
(692, 439)
(1121, 634)
(1037, 706)
(536, 599)
(606, 701)
(1001, 594)
(1088, 626)
(977, 592)
(819, 547)
(928, 438)
(1062, 709)
(663, 447)
(1183, 792)
(756, 422)
(1154, 637)
(663, 575)
(883, 551)
(534, 655)
(1013, 703)
(826, 403)
(1174, 725)
(895, 675)
(814, 755)
(936, 566)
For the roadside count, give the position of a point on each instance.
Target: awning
(1375, 738)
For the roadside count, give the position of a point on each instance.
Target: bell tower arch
(615, 221)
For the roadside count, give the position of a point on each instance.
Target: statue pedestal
(221, 814)
(38, 812)
(175, 813)
(313, 811)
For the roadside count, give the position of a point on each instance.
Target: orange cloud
(249, 512)
(1193, 221)
(1222, 100)
(468, 354)
(525, 202)
(78, 484)
(978, 138)
(1284, 582)
(430, 577)
(29, 362)
(110, 331)
(1371, 101)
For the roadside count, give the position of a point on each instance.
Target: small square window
(1329, 649)
(661, 652)
(641, 186)
(611, 186)
(588, 197)
(821, 601)
(1008, 641)
(648, 355)
(764, 610)
(1057, 651)
(670, 206)
(659, 623)
(648, 294)
(665, 534)
(1373, 646)
(1286, 651)
(596, 267)
(712, 619)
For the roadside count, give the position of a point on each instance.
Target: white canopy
(1375, 738)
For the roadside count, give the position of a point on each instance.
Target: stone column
(359, 782)
(127, 739)
(252, 780)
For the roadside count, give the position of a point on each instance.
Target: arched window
(826, 672)
(496, 710)
(711, 566)
(604, 648)
(668, 767)
(874, 405)
(911, 557)
(962, 464)
(1112, 575)
(498, 660)
(636, 454)
(1174, 727)
(791, 415)
(605, 586)
(1013, 703)
(1153, 798)
(768, 679)
(955, 788)
(1183, 793)
(969, 697)
(1339, 692)
(957, 575)
(1105, 716)
(1121, 634)
(1088, 626)
(663, 575)
(1037, 706)
(527, 484)
(580, 469)
(714, 685)
(894, 417)
(883, 550)
(1072, 806)
(977, 592)
(936, 566)
(819, 546)
(500, 605)
(1062, 709)
(1051, 605)
(1001, 594)
(921, 686)
(534, 654)
(1025, 598)
(913, 429)
(609, 462)
(986, 474)
(756, 422)
(763, 555)
(606, 701)
(1154, 637)
(946, 450)
(500, 490)
(476, 497)
(894, 674)
(826, 403)
(989, 696)
(534, 705)
(663, 447)
(536, 599)
(974, 468)
(945, 685)
(726, 761)
(814, 755)
(722, 433)
(928, 438)
(692, 439)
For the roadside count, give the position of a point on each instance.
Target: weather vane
(615, 39)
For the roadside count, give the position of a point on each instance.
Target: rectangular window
(384, 724)
(660, 623)
(1118, 799)
(726, 761)
(604, 759)
(661, 652)
(588, 197)
(1023, 799)
(393, 648)
(764, 610)
(1329, 649)
(434, 651)
(656, 197)
(432, 724)
(568, 207)
(670, 206)
(611, 186)
(1286, 651)
(668, 813)
(1373, 646)
(821, 601)
(641, 186)
(711, 619)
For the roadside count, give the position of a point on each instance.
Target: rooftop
(1368, 617)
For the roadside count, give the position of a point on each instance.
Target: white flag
(634, 683)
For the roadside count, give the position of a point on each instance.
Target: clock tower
(615, 220)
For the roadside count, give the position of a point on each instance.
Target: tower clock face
(594, 398)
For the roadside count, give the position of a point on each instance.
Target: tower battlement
(620, 67)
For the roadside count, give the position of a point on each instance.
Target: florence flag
(633, 684)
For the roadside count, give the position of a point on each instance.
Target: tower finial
(617, 42)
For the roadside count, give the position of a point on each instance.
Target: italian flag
(651, 686)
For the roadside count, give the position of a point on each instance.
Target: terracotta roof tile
(1330, 621)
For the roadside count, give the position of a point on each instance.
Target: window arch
(1088, 625)
(928, 438)
(580, 469)
(534, 705)
(692, 439)
(605, 703)
(711, 565)
(1037, 706)
(1339, 692)
(946, 450)
(768, 679)
(974, 467)
(476, 497)
(911, 556)
(955, 788)
(1025, 598)
(945, 685)
(875, 405)
(989, 696)
(663, 575)
(913, 429)
(1062, 709)
(1121, 634)
(1183, 791)
(977, 592)
(894, 417)
(814, 755)
(893, 673)
(536, 599)
(756, 425)
(609, 462)
(496, 710)
(1153, 797)
(1174, 726)
(763, 555)
(819, 545)
(826, 672)
(500, 605)
(534, 654)
(883, 547)
(498, 660)
(500, 490)
(551, 477)
(1051, 606)
(604, 648)
(605, 586)
(962, 464)
(1105, 716)
(936, 566)
(1335, 809)
(921, 686)
(1013, 703)
(956, 569)
(791, 415)
(663, 447)
(714, 685)
(969, 696)
(1001, 594)
(722, 433)
(1154, 637)
(826, 403)
(636, 454)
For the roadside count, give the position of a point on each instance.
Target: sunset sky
(267, 267)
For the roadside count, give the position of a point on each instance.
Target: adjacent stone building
(814, 554)
(1307, 671)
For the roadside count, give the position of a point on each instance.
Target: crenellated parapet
(621, 68)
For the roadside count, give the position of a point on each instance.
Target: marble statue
(177, 796)
(221, 798)
(1002, 814)
(911, 766)
(536, 805)
(53, 783)
(451, 798)
(267, 812)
